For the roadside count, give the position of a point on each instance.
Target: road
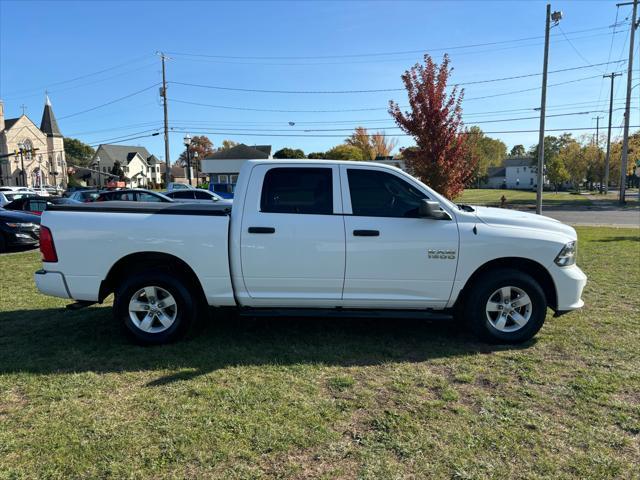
(615, 217)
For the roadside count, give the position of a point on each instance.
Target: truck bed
(162, 208)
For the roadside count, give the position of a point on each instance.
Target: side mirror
(431, 209)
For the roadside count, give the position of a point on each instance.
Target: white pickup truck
(313, 237)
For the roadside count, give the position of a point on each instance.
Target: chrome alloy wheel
(508, 309)
(153, 309)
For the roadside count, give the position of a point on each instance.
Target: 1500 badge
(443, 254)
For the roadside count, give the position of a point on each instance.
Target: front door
(292, 240)
(395, 259)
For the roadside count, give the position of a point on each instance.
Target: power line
(80, 77)
(379, 90)
(110, 102)
(376, 54)
(227, 133)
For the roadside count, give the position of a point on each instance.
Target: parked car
(53, 190)
(71, 190)
(37, 204)
(8, 188)
(320, 238)
(84, 196)
(196, 195)
(132, 195)
(179, 186)
(9, 196)
(18, 229)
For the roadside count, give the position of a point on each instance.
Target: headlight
(21, 225)
(567, 255)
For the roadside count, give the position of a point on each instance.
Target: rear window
(183, 194)
(298, 190)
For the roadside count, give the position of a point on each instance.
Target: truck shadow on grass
(60, 341)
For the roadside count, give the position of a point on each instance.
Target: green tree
(77, 152)
(557, 173)
(345, 152)
(117, 170)
(317, 155)
(574, 160)
(518, 151)
(487, 151)
(289, 153)
(552, 146)
(360, 139)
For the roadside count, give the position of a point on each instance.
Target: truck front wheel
(154, 307)
(506, 306)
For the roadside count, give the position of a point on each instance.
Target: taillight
(47, 248)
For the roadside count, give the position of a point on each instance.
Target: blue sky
(60, 47)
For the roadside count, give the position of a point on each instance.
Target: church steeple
(49, 125)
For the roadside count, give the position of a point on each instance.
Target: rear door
(395, 259)
(292, 240)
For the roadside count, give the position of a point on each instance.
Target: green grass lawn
(491, 196)
(314, 398)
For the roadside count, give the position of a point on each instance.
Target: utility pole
(612, 76)
(163, 93)
(555, 16)
(627, 109)
(597, 142)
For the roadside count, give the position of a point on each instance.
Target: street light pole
(22, 173)
(543, 106)
(187, 143)
(99, 176)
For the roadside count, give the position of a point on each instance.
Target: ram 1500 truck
(313, 237)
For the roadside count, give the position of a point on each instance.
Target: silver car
(196, 195)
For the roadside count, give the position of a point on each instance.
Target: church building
(32, 156)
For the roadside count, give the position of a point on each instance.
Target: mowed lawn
(318, 398)
(521, 198)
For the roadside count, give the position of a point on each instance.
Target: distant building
(141, 169)
(516, 173)
(44, 159)
(520, 174)
(223, 167)
(496, 177)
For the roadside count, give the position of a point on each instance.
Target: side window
(203, 196)
(298, 190)
(183, 194)
(380, 194)
(147, 197)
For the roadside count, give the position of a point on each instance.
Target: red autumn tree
(441, 157)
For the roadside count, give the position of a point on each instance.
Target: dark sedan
(132, 195)
(37, 205)
(18, 229)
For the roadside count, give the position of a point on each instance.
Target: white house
(141, 168)
(520, 174)
(223, 167)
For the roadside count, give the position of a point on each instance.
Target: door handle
(366, 233)
(262, 230)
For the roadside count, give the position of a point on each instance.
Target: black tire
(186, 306)
(483, 290)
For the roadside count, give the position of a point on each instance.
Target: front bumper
(51, 283)
(570, 282)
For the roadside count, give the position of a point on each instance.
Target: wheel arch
(141, 260)
(524, 265)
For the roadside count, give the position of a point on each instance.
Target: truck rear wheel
(155, 307)
(506, 306)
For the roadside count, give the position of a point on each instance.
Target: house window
(234, 178)
(223, 178)
(524, 169)
(531, 181)
(517, 170)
